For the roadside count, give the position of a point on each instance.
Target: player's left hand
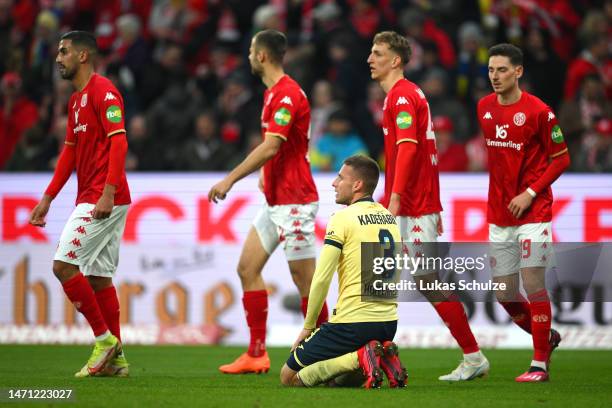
(394, 204)
(440, 226)
(219, 191)
(304, 334)
(520, 204)
(103, 207)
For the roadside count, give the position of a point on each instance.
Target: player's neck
(81, 78)
(361, 197)
(510, 97)
(391, 79)
(272, 75)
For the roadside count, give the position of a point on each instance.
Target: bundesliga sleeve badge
(403, 120)
(282, 116)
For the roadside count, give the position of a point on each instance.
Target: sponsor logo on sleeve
(282, 117)
(403, 120)
(113, 114)
(556, 134)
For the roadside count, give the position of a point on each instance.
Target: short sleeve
(335, 234)
(550, 133)
(403, 110)
(284, 107)
(111, 111)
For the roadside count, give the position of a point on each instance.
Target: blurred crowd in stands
(191, 102)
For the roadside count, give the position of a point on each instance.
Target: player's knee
(245, 271)
(287, 376)
(64, 271)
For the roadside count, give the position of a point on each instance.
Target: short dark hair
(366, 169)
(274, 42)
(397, 43)
(83, 39)
(514, 53)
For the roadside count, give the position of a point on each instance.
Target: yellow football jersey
(361, 222)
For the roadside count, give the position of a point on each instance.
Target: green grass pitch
(167, 376)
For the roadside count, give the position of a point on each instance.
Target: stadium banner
(177, 282)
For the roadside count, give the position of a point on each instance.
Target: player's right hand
(38, 214)
(219, 191)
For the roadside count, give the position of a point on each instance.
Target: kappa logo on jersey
(282, 116)
(287, 100)
(403, 120)
(401, 101)
(556, 134)
(551, 116)
(487, 116)
(109, 97)
(519, 119)
(501, 132)
(113, 114)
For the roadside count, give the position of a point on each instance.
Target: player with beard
(288, 216)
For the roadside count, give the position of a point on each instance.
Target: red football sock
(541, 316)
(255, 304)
(109, 306)
(520, 312)
(82, 296)
(323, 316)
(453, 315)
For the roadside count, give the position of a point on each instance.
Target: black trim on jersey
(333, 243)
(366, 198)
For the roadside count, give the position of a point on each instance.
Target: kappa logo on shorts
(294, 211)
(71, 255)
(81, 230)
(417, 242)
(76, 242)
(297, 231)
(416, 228)
(296, 223)
(493, 262)
(87, 219)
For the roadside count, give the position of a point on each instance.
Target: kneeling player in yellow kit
(352, 338)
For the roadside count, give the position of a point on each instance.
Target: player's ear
(519, 71)
(357, 185)
(83, 55)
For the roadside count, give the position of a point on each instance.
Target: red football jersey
(287, 175)
(520, 140)
(94, 115)
(406, 119)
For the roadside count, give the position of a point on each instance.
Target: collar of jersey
(364, 199)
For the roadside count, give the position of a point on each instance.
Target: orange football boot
(247, 364)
